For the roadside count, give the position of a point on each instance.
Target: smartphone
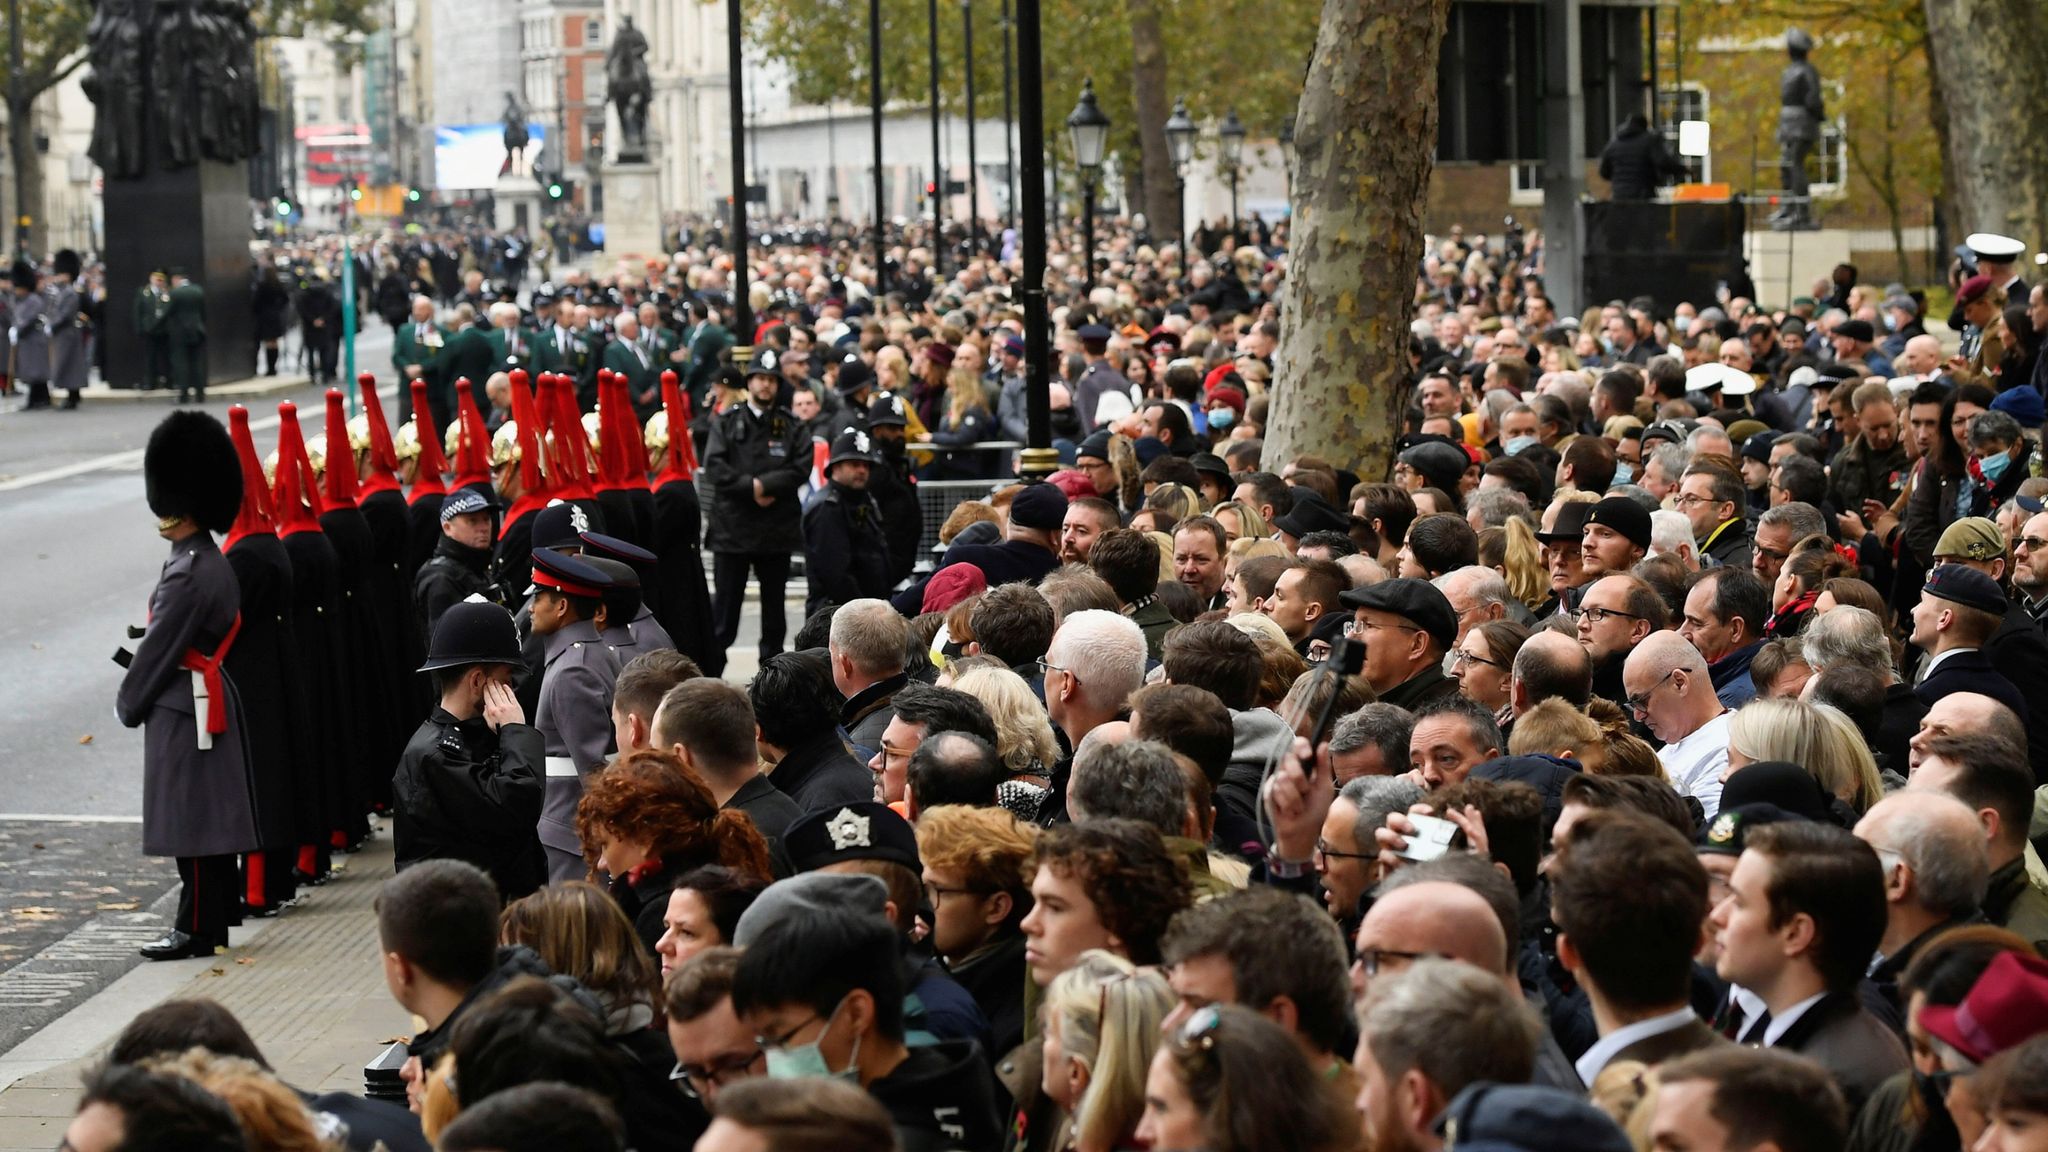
(1432, 838)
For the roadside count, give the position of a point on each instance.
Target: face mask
(1993, 467)
(808, 1060)
(1221, 417)
(1624, 472)
(1516, 445)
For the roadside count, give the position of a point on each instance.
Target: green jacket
(184, 318)
(511, 348)
(642, 376)
(150, 307)
(466, 354)
(407, 348)
(563, 350)
(708, 342)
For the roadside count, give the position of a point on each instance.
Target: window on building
(316, 110)
(1526, 184)
(344, 109)
(593, 30)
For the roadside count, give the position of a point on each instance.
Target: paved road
(76, 893)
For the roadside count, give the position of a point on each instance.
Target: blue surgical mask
(804, 1061)
(1222, 417)
(1624, 472)
(1516, 445)
(1994, 466)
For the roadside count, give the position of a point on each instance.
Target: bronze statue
(1799, 120)
(516, 135)
(180, 57)
(632, 89)
(114, 85)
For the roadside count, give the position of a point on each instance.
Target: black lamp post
(1232, 133)
(973, 169)
(938, 181)
(1040, 459)
(1088, 127)
(1287, 159)
(875, 131)
(1180, 146)
(1009, 132)
(736, 98)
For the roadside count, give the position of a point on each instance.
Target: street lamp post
(973, 183)
(875, 131)
(1180, 146)
(938, 181)
(736, 98)
(1232, 133)
(1287, 159)
(1040, 459)
(1009, 134)
(1088, 127)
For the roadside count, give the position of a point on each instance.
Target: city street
(76, 894)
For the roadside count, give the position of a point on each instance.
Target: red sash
(208, 668)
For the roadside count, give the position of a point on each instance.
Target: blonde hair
(1521, 563)
(272, 1116)
(963, 393)
(1842, 760)
(1109, 1014)
(1818, 737)
(1024, 739)
(1251, 547)
(1164, 543)
(438, 1104)
(580, 931)
(1251, 525)
(892, 369)
(1555, 728)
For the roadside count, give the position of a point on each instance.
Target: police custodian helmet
(475, 631)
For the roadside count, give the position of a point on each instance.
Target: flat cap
(1416, 601)
(1856, 330)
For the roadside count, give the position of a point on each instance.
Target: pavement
(308, 986)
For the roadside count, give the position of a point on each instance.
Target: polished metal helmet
(590, 429)
(656, 435)
(505, 443)
(406, 441)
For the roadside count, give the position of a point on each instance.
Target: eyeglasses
(1781, 557)
(1596, 615)
(2033, 543)
(777, 1043)
(1045, 666)
(1640, 704)
(1688, 499)
(1323, 849)
(1357, 628)
(1460, 658)
(889, 750)
(1372, 960)
(932, 892)
(695, 1080)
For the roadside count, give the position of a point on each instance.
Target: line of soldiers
(302, 630)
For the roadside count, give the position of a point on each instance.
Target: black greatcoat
(391, 597)
(366, 664)
(683, 603)
(320, 803)
(264, 654)
(423, 531)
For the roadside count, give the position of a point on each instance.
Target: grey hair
(1940, 838)
(1105, 651)
(1483, 584)
(1375, 797)
(1137, 780)
(1385, 726)
(1803, 519)
(1848, 635)
(1674, 459)
(1668, 530)
(1994, 425)
(871, 634)
(1639, 494)
(1496, 506)
(1452, 1022)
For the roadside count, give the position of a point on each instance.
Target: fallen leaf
(216, 971)
(130, 906)
(85, 739)
(38, 847)
(36, 913)
(244, 960)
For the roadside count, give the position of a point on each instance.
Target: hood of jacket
(1258, 735)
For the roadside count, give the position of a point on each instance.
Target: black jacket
(1636, 163)
(464, 792)
(511, 962)
(895, 493)
(451, 575)
(820, 774)
(995, 978)
(942, 1098)
(846, 556)
(745, 447)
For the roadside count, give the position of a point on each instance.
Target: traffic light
(284, 208)
(283, 204)
(355, 193)
(412, 195)
(557, 189)
(931, 189)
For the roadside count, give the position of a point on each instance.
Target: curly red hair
(650, 797)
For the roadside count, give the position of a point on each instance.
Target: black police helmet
(475, 631)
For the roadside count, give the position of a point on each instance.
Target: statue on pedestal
(1799, 120)
(114, 84)
(516, 136)
(632, 89)
(180, 57)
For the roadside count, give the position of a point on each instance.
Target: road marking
(56, 818)
(130, 459)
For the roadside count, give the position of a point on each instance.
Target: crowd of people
(1646, 762)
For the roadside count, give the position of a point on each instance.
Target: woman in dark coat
(271, 305)
(646, 820)
(196, 798)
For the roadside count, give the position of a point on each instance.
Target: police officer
(845, 555)
(756, 458)
(890, 484)
(575, 712)
(461, 564)
(196, 802)
(469, 785)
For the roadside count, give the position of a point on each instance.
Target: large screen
(471, 156)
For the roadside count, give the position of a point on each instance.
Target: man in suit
(664, 348)
(1960, 609)
(1937, 865)
(466, 354)
(1628, 896)
(511, 349)
(628, 356)
(1804, 916)
(562, 347)
(185, 324)
(152, 300)
(706, 341)
(413, 347)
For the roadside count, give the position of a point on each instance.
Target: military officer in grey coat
(69, 354)
(197, 803)
(575, 712)
(28, 336)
